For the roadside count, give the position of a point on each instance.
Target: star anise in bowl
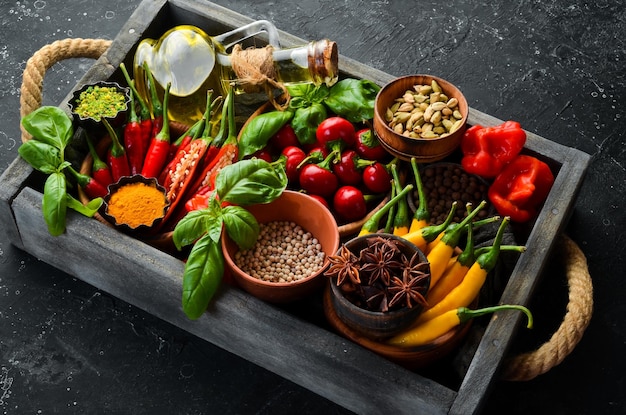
(378, 283)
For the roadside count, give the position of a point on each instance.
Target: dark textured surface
(557, 67)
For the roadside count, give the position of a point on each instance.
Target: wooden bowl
(411, 358)
(375, 324)
(425, 150)
(305, 211)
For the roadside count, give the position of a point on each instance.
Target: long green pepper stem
(466, 314)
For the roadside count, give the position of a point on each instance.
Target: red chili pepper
(186, 162)
(156, 157)
(145, 119)
(486, 150)
(349, 169)
(133, 141)
(521, 188)
(100, 171)
(368, 146)
(284, 138)
(293, 156)
(349, 203)
(116, 156)
(200, 200)
(91, 187)
(377, 178)
(318, 179)
(159, 111)
(178, 148)
(335, 134)
(222, 151)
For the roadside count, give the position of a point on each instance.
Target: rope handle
(522, 367)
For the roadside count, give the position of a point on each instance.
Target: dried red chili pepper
(100, 171)
(156, 156)
(116, 156)
(521, 188)
(486, 150)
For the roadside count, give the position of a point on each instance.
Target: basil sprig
(247, 182)
(52, 130)
(350, 98)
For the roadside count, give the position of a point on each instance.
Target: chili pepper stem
(371, 225)
(421, 217)
(430, 330)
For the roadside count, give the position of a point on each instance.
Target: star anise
(377, 263)
(376, 297)
(344, 266)
(410, 289)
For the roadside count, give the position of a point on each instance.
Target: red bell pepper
(486, 150)
(521, 188)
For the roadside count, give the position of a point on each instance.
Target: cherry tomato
(294, 157)
(284, 137)
(321, 199)
(377, 178)
(263, 154)
(368, 146)
(349, 170)
(335, 133)
(349, 203)
(318, 180)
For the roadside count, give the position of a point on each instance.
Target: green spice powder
(96, 102)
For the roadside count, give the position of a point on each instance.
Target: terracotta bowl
(375, 324)
(313, 217)
(425, 150)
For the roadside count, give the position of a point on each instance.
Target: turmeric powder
(136, 204)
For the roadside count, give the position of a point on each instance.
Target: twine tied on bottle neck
(255, 71)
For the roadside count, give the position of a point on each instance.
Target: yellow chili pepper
(443, 251)
(440, 325)
(423, 236)
(463, 294)
(401, 219)
(372, 224)
(454, 273)
(475, 225)
(421, 217)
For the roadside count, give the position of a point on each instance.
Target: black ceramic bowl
(93, 121)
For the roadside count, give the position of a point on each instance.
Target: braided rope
(525, 366)
(43, 59)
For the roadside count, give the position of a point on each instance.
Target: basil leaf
(306, 120)
(50, 125)
(353, 99)
(193, 226)
(89, 209)
(214, 226)
(307, 93)
(260, 129)
(42, 156)
(251, 181)
(54, 204)
(202, 276)
(241, 226)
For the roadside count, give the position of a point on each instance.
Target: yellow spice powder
(136, 204)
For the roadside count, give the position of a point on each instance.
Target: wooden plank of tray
(297, 350)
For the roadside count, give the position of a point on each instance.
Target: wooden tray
(298, 347)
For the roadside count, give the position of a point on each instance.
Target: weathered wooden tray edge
(312, 357)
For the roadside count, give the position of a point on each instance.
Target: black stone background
(557, 67)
